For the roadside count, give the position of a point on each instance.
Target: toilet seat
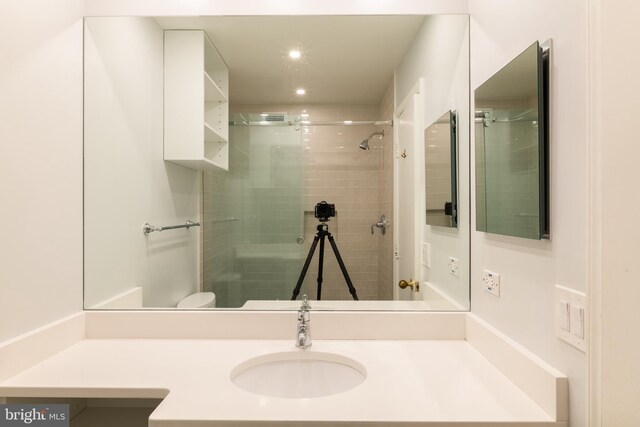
(198, 300)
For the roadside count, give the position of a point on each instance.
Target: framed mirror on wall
(441, 171)
(227, 177)
(512, 148)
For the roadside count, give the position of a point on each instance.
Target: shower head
(365, 142)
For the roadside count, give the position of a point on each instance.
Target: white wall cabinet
(196, 107)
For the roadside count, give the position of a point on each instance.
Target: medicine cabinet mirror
(511, 144)
(441, 172)
(209, 140)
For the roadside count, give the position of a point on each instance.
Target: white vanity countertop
(428, 382)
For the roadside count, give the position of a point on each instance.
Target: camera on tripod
(325, 210)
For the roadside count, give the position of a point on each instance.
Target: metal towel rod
(148, 228)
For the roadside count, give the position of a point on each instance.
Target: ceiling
(345, 59)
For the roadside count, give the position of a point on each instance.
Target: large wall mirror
(209, 141)
(512, 178)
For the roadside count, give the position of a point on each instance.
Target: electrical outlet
(454, 266)
(491, 282)
(426, 254)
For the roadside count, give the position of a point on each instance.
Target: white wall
(40, 162)
(501, 29)
(440, 54)
(127, 182)
(615, 209)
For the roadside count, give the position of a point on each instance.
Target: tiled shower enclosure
(258, 216)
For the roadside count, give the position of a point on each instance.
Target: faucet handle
(382, 224)
(305, 303)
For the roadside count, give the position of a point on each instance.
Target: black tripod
(323, 231)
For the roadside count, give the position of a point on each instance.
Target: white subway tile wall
(385, 199)
(215, 234)
(507, 172)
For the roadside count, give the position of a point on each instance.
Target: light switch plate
(577, 321)
(563, 314)
(426, 254)
(454, 266)
(577, 317)
(491, 282)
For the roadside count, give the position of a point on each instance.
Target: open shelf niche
(196, 101)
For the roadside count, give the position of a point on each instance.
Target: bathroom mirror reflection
(441, 172)
(512, 186)
(209, 141)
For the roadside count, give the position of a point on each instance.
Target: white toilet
(198, 300)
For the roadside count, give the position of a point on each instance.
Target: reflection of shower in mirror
(210, 129)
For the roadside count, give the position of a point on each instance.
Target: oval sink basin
(298, 374)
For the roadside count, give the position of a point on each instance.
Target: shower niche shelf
(196, 101)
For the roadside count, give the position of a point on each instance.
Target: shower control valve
(382, 224)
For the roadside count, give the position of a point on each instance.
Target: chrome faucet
(304, 327)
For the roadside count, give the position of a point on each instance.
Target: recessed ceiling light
(295, 54)
(347, 122)
(301, 91)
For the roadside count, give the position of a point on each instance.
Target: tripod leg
(303, 273)
(320, 266)
(352, 290)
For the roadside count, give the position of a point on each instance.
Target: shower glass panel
(253, 216)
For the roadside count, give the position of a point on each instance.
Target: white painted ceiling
(345, 59)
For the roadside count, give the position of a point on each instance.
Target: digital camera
(325, 210)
